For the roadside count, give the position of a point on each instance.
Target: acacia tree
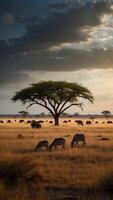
(106, 113)
(55, 96)
(23, 113)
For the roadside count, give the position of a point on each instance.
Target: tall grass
(80, 173)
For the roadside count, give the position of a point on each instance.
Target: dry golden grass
(80, 173)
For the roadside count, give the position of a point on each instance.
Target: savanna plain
(81, 173)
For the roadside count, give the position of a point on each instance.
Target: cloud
(64, 60)
(9, 8)
(31, 52)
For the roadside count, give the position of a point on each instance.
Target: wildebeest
(41, 121)
(56, 142)
(65, 121)
(21, 121)
(1, 121)
(79, 122)
(8, 121)
(51, 122)
(109, 122)
(42, 144)
(35, 124)
(88, 122)
(78, 137)
(28, 122)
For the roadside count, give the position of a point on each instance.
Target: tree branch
(74, 104)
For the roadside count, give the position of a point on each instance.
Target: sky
(68, 40)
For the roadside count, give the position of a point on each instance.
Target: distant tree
(23, 113)
(106, 113)
(76, 114)
(55, 96)
(92, 117)
(65, 114)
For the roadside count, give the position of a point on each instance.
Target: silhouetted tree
(55, 96)
(23, 113)
(106, 113)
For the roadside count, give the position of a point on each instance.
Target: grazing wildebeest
(78, 137)
(42, 144)
(79, 122)
(8, 121)
(1, 121)
(65, 121)
(35, 124)
(109, 122)
(21, 121)
(51, 122)
(28, 122)
(96, 122)
(41, 121)
(56, 142)
(88, 122)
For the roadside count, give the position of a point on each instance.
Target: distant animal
(56, 142)
(51, 122)
(41, 121)
(96, 122)
(78, 137)
(109, 122)
(65, 121)
(88, 122)
(42, 144)
(8, 121)
(1, 121)
(69, 120)
(79, 122)
(35, 124)
(28, 122)
(21, 121)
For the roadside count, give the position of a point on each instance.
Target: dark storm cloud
(66, 27)
(61, 5)
(8, 8)
(29, 53)
(59, 28)
(65, 60)
(21, 19)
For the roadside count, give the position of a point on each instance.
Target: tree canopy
(55, 96)
(23, 113)
(106, 113)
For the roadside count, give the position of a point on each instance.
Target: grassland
(78, 174)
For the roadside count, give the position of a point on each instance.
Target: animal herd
(78, 137)
(37, 124)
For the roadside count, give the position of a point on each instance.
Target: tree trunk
(56, 118)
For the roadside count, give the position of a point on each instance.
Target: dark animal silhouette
(8, 121)
(41, 121)
(21, 121)
(109, 122)
(35, 124)
(28, 122)
(79, 122)
(56, 142)
(65, 121)
(79, 137)
(88, 122)
(42, 144)
(1, 121)
(51, 122)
